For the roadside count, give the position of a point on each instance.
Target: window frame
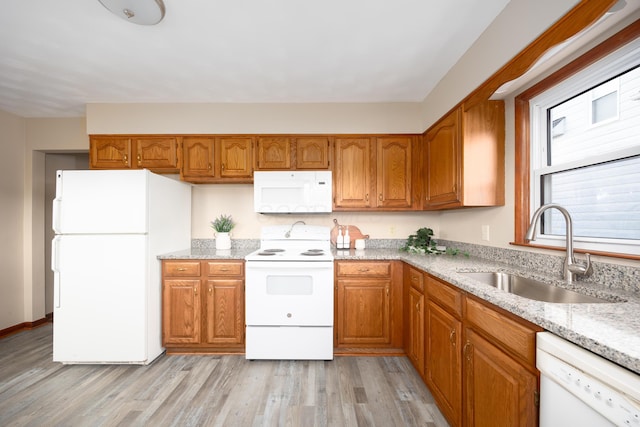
(523, 128)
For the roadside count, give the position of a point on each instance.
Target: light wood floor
(207, 391)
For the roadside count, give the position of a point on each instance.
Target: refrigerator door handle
(55, 215)
(56, 271)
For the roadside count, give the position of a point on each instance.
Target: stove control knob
(288, 314)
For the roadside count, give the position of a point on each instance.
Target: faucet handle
(585, 269)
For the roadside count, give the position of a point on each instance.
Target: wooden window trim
(523, 131)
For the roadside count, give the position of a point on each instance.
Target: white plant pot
(223, 240)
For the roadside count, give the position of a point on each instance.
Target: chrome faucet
(571, 267)
(288, 233)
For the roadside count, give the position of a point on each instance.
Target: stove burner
(266, 253)
(273, 250)
(316, 252)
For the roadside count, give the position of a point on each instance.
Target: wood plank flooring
(207, 391)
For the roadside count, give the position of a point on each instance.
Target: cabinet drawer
(376, 269)
(416, 278)
(180, 268)
(448, 297)
(224, 268)
(511, 335)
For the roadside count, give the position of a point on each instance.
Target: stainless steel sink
(530, 288)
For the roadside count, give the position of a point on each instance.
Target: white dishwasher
(579, 388)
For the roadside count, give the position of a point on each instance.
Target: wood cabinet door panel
(352, 177)
(225, 311)
(498, 390)
(443, 361)
(157, 153)
(415, 312)
(197, 157)
(363, 312)
(394, 172)
(442, 162)
(273, 153)
(236, 157)
(110, 152)
(312, 153)
(181, 311)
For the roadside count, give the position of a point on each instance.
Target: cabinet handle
(195, 290)
(380, 197)
(418, 307)
(210, 290)
(125, 158)
(363, 270)
(139, 159)
(222, 167)
(209, 167)
(387, 291)
(224, 269)
(452, 337)
(366, 197)
(466, 352)
(181, 269)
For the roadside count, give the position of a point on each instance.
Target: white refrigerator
(110, 227)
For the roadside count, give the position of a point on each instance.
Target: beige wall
(12, 137)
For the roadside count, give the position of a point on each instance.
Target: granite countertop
(611, 330)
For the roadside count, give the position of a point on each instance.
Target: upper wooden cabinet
(463, 158)
(273, 153)
(216, 159)
(312, 152)
(292, 153)
(157, 153)
(352, 173)
(374, 172)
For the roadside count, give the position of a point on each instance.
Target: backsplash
(607, 275)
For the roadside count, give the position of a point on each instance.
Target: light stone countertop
(611, 330)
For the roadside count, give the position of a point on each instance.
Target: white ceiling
(57, 56)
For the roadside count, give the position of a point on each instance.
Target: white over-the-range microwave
(292, 191)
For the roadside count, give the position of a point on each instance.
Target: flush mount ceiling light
(143, 12)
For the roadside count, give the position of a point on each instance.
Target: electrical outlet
(485, 233)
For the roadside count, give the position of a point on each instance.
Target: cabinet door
(273, 153)
(498, 390)
(106, 152)
(159, 154)
(443, 361)
(394, 172)
(197, 157)
(181, 311)
(352, 177)
(236, 157)
(415, 312)
(225, 314)
(363, 312)
(312, 153)
(442, 162)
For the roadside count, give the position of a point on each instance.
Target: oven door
(289, 293)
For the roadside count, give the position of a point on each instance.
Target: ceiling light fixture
(143, 12)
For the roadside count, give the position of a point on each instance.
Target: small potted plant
(223, 226)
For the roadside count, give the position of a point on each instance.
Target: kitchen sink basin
(530, 288)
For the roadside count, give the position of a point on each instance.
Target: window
(584, 154)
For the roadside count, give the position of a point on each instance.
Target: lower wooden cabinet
(202, 306)
(414, 320)
(368, 308)
(498, 390)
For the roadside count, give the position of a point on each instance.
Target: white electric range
(289, 294)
